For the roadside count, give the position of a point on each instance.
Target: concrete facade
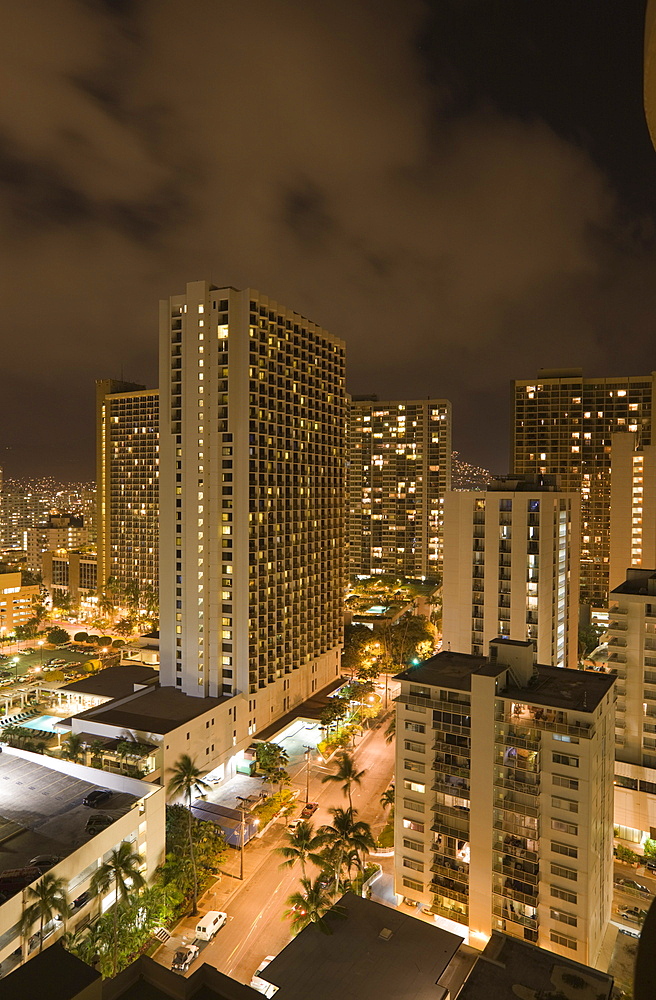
(562, 424)
(399, 469)
(252, 516)
(504, 814)
(511, 568)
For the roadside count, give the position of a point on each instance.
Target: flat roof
(446, 669)
(559, 687)
(113, 682)
(639, 582)
(65, 975)
(375, 952)
(509, 968)
(41, 808)
(309, 709)
(155, 710)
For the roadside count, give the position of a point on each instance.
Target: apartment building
(632, 658)
(399, 469)
(252, 512)
(511, 568)
(127, 471)
(632, 506)
(563, 424)
(60, 531)
(504, 815)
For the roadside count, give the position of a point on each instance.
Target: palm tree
(387, 798)
(310, 905)
(302, 844)
(122, 866)
(50, 899)
(347, 774)
(186, 779)
(348, 839)
(390, 732)
(72, 749)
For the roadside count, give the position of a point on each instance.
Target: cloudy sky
(463, 190)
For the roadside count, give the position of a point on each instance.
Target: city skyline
(397, 203)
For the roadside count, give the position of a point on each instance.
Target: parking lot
(46, 806)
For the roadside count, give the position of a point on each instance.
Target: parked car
(308, 809)
(45, 861)
(261, 985)
(81, 900)
(293, 825)
(650, 864)
(98, 797)
(98, 822)
(210, 924)
(184, 957)
(630, 883)
(633, 913)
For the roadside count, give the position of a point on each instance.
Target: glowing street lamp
(16, 661)
(40, 645)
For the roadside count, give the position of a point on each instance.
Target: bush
(104, 640)
(57, 636)
(117, 643)
(625, 854)
(81, 637)
(650, 848)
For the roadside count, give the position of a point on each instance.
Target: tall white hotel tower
(252, 438)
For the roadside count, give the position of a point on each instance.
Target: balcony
(535, 717)
(450, 912)
(459, 787)
(509, 891)
(451, 869)
(504, 911)
(515, 783)
(518, 871)
(451, 828)
(440, 886)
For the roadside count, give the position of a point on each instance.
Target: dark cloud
(362, 162)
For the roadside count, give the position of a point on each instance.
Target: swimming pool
(46, 723)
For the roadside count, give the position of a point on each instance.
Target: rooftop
(558, 687)
(41, 807)
(510, 968)
(375, 952)
(67, 977)
(155, 710)
(640, 582)
(114, 682)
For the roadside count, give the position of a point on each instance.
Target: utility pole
(241, 837)
(307, 774)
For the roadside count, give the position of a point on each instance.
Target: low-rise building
(16, 602)
(73, 572)
(42, 812)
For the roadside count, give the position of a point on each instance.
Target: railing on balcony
(504, 911)
(544, 718)
(450, 912)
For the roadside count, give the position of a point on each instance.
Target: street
(256, 927)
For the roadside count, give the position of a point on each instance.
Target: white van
(210, 924)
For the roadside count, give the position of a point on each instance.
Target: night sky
(463, 190)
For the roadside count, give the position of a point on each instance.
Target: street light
(40, 645)
(16, 661)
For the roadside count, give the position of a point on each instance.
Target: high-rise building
(632, 506)
(399, 468)
(631, 640)
(511, 558)
(127, 465)
(563, 425)
(504, 804)
(60, 531)
(16, 602)
(252, 436)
